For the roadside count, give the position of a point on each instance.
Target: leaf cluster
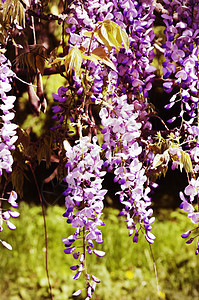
(14, 11)
(34, 59)
(169, 150)
(109, 34)
(112, 35)
(4, 26)
(29, 152)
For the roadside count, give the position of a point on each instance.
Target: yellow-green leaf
(88, 34)
(125, 38)
(14, 10)
(91, 57)
(40, 63)
(58, 60)
(158, 160)
(73, 61)
(186, 162)
(111, 35)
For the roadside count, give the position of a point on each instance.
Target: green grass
(126, 271)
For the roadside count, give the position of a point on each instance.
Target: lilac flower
(7, 139)
(83, 198)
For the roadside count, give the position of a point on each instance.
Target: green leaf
(158, 160)
(91, 57)
(17, 178)
(111, 35)
(186, 162)
(73, 60)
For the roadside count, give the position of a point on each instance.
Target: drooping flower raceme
(181, 60)
(122, 92)
(84, 204)
(7, 139)
(121, 132)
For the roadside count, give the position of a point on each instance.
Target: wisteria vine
(103, 115)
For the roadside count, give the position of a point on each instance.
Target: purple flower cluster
(7, 139)
(181, 61)
(8, 129)
(122, 92)
(121, 131)
(134, 67)
(181, 53)
(84, 204)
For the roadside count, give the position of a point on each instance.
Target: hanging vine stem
(155, 269)
(2, 194)
(45, 228)
(63, 29)
(33, 30)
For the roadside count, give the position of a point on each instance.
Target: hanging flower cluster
(84, 204)
(7, 139)
(121, 131)
(119, 83)
(181, 53)
(181, 61)
(121, 89)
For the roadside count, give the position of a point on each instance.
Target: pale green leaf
(91, 57)
(158, 160)
(186, 162)
(73, 61)
(111, 35)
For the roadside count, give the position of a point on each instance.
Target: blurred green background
(126, 270)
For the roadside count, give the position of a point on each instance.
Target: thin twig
(45, 228)
(33, 30)
(155, 269)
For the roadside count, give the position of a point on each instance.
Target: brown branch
(49, 17)
(21, 73)
(45, 228)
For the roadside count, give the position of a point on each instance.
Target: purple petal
(77, 275)
(74, 267)
(95, 279)
(10, 225)
(14, 214)
(169, 105)
(5, 244)
(135, 238)
(76, 255)
(89, 250)
(99, 253)
(186, 234)
(89, 292)
(171, 120)
(190, 241)
(77, 293)
(150, 241)
(69, 250)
